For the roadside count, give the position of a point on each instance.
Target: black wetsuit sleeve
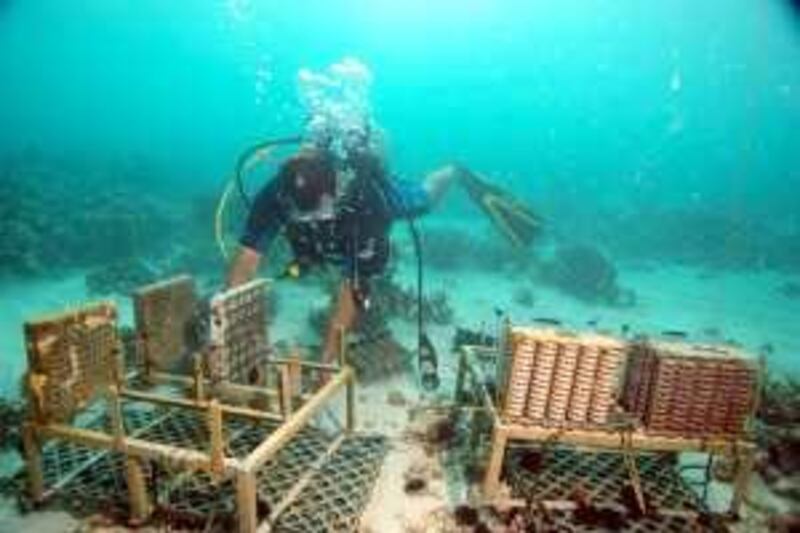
(266, 218)
(408, 199)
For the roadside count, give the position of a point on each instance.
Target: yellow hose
(219, 231)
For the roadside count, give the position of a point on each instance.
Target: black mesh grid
(94, 480)
(602, 475)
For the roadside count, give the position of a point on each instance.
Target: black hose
(417, 242)
(412, 227)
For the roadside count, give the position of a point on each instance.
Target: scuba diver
(338, 210)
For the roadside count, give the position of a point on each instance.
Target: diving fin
(428, 363)
(510, 216)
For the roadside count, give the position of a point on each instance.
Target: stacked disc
(697, 390)
(563, 381)
(523, 356)
(639, 381)
(605, 384)
(560, 379)
(541, 386)
(584, 380)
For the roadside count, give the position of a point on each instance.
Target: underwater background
(658, 140)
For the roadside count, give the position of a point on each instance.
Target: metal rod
(267, 449)
(224, 388)
(305, 364)
(185, 458)
(199, 405)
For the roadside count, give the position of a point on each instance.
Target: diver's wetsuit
(356, 238)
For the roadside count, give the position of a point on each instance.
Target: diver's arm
(412, 199)
(265, 219)
(243, 267)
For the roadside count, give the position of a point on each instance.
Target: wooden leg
(287, 395)
(629, 458)
(137, 491)
(33, 458)
(635, 479)
(474, 430)
(246, 501)
(350, 404)
(115, 416)
(462, 370)
(491, 480)
(745, 459)
(198, 380)
(217, 439)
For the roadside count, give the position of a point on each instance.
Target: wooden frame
(294, 410)
(213, 461)
(623, 439)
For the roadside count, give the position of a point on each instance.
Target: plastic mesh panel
(62, 459)
(162, 312)
(196, 500)
(72, 357)
(339, 492)
(238, 333)
(94, 480)
(603, 475)
(86, 480)
(278, 475)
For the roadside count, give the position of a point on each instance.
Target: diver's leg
(342, 319)
(438, 182)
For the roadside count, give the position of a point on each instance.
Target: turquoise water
(701, 98)
(592, 110)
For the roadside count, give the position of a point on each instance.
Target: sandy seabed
(745, 307)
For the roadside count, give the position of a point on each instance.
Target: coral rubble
(395, 301)
(120, 277)
(523, 296)
(63, 213)
(778, 433)
(790, 290)
(458, 248)
(584, 272)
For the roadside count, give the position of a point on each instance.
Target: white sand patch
(39, 522)
(744, 307)
(392, 508)
(295, 302)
